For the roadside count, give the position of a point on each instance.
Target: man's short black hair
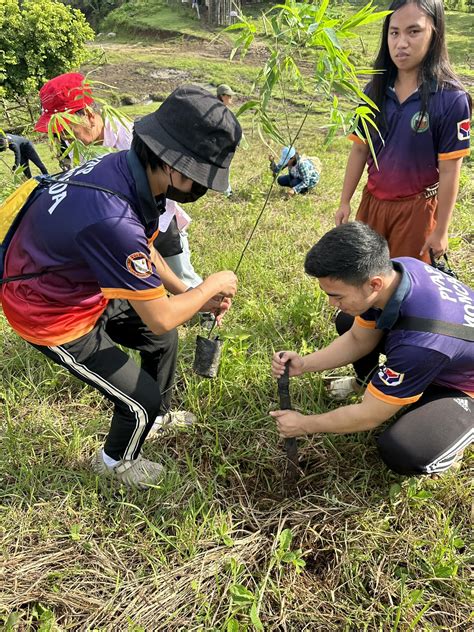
(351, 252)
(145, 155)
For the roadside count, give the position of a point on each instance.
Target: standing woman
(424, 122)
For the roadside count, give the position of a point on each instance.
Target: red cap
(66, 93)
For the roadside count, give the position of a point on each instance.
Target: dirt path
(144, 79)
(138, 81)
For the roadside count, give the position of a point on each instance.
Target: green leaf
(415, 596)
(241, 595)
(74, 532)
(423, 494)
(321, 11)
(238, 26)
(401, 572)
(313, 28)
(285, 539)
(458, 543)
(446, 570)
(254, 618)
(12, 621)
(228, 541)
(233, 625)
(394, 491)
(249, 105)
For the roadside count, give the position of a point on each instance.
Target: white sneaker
(139, 473)
(341, 388)
(173, 420)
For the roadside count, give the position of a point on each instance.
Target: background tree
(39, 39)
(94, 10)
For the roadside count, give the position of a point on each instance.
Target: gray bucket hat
(224, 89)
(196, 134)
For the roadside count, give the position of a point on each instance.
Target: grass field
(223, 543)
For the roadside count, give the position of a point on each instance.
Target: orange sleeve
(452, 155)
(366, 324)
(355, 139)
(390, 399)
(134, 295)
(152, 238)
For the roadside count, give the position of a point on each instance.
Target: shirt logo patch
(464, 129)
(139, 265)
(420, 123)
(390, 377)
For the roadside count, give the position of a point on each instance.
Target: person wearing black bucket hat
(88, 281)
(194, 134)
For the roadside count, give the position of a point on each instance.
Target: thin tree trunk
(6, 112)
(30, 111)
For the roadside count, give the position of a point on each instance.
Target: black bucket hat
(194, 133)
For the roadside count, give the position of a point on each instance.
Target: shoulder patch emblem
(420, 123)
(139, 264)
(464, 129)
(390, 377)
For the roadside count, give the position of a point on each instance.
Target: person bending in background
(225, 94)
(24, 152)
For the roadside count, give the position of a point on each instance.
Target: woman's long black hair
(435, 67)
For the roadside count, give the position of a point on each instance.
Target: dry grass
(221, 543)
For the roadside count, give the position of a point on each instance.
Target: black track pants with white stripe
(428, 436)
(139, 394)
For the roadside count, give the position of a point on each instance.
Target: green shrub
(39, 39)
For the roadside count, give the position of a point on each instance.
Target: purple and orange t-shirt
(94, 245)
(417, 359)
(408, 151)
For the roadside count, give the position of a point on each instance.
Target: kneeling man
(425, 322)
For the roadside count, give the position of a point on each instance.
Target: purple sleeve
(406, 373)
(117, 252)
(454, 132)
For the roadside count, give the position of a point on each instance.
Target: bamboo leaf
(249, 105)
(321, 11)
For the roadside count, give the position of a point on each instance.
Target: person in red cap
(82, 279)
(70, 94)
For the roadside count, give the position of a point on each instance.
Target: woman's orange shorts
(405, 223)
